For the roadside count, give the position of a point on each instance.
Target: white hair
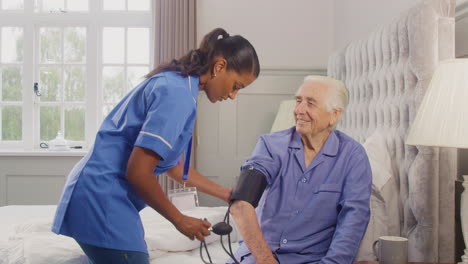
(338, 96)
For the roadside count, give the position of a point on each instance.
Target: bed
(25, 238)
(387, 75)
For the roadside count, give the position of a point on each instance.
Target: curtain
(174, 29)
(174, 35)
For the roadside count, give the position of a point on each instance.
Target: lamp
(442, 120)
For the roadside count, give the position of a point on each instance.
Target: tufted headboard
(387, 75)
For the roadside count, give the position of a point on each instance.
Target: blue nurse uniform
(98, 205)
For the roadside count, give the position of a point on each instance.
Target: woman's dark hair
(236, 50)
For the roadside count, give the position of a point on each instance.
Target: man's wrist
(268, 259)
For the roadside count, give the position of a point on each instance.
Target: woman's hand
(193, 227)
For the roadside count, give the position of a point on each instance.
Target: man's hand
(193, 227)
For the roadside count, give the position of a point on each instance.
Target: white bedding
(25, 238)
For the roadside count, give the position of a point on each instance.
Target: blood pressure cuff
(250, 186)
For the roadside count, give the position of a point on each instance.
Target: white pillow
(384, 218)
(160, 234)
(379, 158)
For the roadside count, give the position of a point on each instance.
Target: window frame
(94, 21)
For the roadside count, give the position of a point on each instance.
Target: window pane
(75, 83)
(113, 45)
(112, 5)
(138, 45)
(75, 123)
(113, 84)
(107, 108)
(75, 44)
(135, 75)
(77, 5)
(12, 117)
(11, 84)
(49, 86)
(50, 122)
(138, 5)
(12, 44)
(52, 5)
(12, 4)
(50, 43)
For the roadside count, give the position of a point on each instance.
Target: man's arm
(246, 220)
(258, 171)
(355, 212)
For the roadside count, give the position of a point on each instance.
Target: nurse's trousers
(99, 255)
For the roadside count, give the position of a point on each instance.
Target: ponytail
(238, 52)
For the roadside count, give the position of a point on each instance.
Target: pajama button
(285, 241)
(304, 180)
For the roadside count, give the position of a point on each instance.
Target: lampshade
(442, 118)
(285, 117)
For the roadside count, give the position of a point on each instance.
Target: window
(64, 64)
(12, 4)
(61, 69)
(11, 68)
(125, 60)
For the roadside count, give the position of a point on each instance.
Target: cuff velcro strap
(250, 186)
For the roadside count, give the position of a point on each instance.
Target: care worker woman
(144, 136)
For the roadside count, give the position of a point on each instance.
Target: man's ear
(335, 116)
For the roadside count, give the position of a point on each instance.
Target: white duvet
(30, 241)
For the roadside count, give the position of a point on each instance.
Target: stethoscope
(221, 228)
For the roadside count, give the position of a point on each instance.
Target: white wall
(298, 34)
(286, 34)
(355, 19)
(292, 39)
(34, 179)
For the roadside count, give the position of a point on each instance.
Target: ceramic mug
(391, 250)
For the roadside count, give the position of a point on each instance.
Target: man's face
(310, 113)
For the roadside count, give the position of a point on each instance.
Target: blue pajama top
(98, 206)
(314, 214)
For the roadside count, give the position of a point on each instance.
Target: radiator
(167, 183)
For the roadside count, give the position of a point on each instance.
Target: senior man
(314, 183)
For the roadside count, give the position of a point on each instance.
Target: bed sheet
(25, 238)
(10, 216)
